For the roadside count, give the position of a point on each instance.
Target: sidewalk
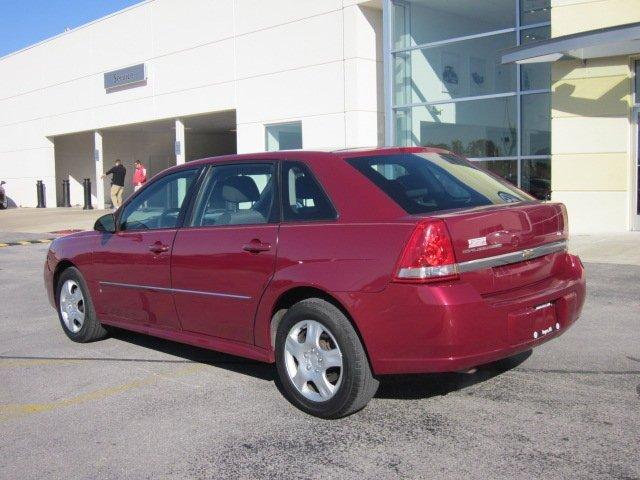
(619, 248)
(38, 223)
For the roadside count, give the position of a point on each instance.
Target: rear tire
(322, 365)
(75, 308)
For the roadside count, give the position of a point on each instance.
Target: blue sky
(25, 22)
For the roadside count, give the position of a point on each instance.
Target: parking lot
(138, 407)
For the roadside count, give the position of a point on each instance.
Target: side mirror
(106, 223)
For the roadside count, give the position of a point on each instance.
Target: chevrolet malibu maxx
(339, 267)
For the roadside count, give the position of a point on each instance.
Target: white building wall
(318, 61)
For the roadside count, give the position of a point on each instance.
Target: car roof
(309, 155)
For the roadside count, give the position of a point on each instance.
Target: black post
(87, 194)
(42, 202)
(66, 194)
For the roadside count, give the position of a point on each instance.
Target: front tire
(75, 308)
(321, 362)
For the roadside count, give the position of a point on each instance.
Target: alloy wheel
(72, 306)
(313, 360)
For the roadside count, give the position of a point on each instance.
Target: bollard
(42, 202)
(66, 194)
(87, 194)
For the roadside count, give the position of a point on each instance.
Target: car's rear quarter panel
(332, 257)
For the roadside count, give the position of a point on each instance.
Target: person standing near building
(139, 176)
(118, 173)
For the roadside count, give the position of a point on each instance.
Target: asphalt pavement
(136, 407)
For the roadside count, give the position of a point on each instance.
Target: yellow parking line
(15, 410)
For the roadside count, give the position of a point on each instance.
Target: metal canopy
(603, 42)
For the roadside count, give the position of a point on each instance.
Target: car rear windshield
(430, 182)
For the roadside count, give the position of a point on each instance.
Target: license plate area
(533, 323)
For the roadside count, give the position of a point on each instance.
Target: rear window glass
(430, 182)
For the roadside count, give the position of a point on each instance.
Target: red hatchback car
(339, 267)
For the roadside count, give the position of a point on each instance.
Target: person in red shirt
(139, 175)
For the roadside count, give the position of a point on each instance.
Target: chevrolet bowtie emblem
(527, 253)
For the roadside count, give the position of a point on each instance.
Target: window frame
(274, 214)
(285, 191)
(183, 208)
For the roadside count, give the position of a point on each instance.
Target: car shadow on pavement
(412, 387)
(189, 353)
(399, 387)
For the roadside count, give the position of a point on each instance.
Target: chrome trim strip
(513, 257)
(174, 290)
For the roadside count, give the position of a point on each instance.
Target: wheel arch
(61, 266)
(296, 294)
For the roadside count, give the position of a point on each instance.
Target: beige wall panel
(589, 135)
(586, 97)
(572, 16)
(595, 212)
(597, 67)
(589, 172)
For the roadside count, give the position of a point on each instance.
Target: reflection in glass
(536, 124)
(477, 128)
(535, 11)
(535, 76)
(435, 20)
(536, 178)
(506, 169)
(459, 69)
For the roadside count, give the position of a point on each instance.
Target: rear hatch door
(504, 247)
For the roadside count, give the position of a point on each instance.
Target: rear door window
(430, 182)
(303, 198)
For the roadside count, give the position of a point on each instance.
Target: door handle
(256, 246)
(158, 248)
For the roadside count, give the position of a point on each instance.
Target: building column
(99, 161)
(180, 146)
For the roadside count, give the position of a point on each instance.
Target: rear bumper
(451, 327)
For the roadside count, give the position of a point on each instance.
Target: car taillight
(428, 256)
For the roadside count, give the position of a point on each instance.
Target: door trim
(173, 290)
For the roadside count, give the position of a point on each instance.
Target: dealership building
(541, 92)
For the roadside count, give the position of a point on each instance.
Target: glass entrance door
(636, 193)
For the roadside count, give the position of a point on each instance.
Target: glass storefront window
(638, 81)
(535, 76)
(460, 69)
(535, 11)
(401, 27)
(453, 92)
(506, 169)
(536, 177)
(536, 124)
(426, 21)
(478, 128)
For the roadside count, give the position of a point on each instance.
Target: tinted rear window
(430, 182)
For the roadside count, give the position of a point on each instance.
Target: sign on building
(123, 77)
